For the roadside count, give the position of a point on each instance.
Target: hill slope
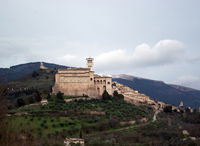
(18, 71)
(158, 90)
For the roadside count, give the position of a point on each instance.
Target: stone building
(42, 66)
(82, 81)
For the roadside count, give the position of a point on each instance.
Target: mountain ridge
(17, 71)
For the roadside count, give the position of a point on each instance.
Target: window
(104, 87)
(91, 79)
(108, 82)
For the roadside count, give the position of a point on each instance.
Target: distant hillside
(18, 71)
(158, 90)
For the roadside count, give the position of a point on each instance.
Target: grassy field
(74, 118)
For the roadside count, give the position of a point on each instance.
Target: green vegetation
(72, 119)
(166, 131)
(100, 122)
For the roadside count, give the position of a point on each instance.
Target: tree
(105, 95)
(20, 102)
(35, 74)
(31, 100)
(8, 136)
(120, 96)
(48, 97)
(38, 97)
(3, 111)
(117, 95)
(59, 97)
(3, 94)
(168, 109)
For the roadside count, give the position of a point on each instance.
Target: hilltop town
(76, 105)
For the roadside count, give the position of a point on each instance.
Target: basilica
(82, 81)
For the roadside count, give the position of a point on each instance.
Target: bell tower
(90, 63)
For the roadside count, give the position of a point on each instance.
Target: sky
(152, 39)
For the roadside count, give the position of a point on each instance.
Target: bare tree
(3, 111)
(7, 135)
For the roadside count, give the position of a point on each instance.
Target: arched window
(98, 90)
(104, 81)
(97, 81)
(101, 81)
(104, 88)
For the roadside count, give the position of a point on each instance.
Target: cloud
(72, 53)
(189, 81)
(162, 53)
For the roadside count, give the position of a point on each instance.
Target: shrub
(168, 109)
(38, 97)
(35, 74)
(105, 95)
(48, 97)
(59, 97)
(62, 124)
(117, 95)
(20, 102)
(31, 100)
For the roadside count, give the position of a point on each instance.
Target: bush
(168, 109)
(31, 100)
(105, 95)
(48, 97)
(38, 97)
(59, 97)
(35, 74)
(20, 102)
(117, 95)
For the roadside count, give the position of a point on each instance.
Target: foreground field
(99, 122)
(75, 119)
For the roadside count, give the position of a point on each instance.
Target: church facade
(82, 81)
